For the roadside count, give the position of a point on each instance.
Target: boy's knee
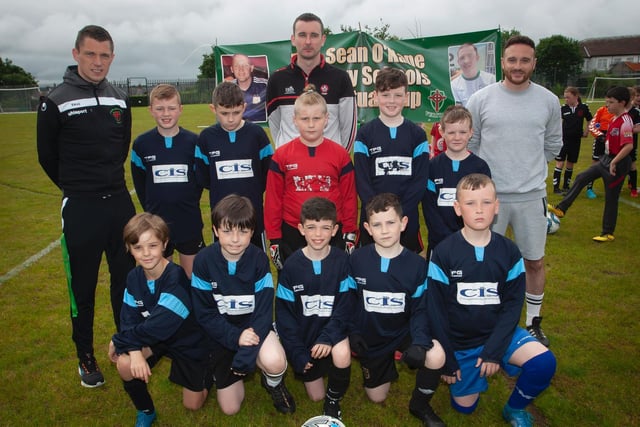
(542, 366)
(465, 404)
(435, 356)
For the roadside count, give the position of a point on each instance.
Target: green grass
(590, 312)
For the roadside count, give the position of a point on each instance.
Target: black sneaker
(536, 331)
(282, 399)
(426, 414)
(90, 372)
(332, 408)
(557, 190)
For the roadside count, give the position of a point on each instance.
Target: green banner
(433, 65)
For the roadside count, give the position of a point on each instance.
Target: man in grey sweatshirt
(517, 130)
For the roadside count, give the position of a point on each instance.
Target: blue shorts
(472, 382)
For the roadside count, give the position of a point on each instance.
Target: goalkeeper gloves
(276, 254)
(349, 242)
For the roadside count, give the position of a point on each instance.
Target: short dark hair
(383, 202)
(94, 32)
(619, 93)
(391, 78)
(228, 95)
(234, 211)
(140, 224)
(318, 209)
(308, 17)
(520, 39)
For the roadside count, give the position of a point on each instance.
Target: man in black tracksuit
(84, 132)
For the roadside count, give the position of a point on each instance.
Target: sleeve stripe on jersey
(172, 303)
(347, 284)
(360, 148)
(201, 156)
(421, 149)
(420, 290)
(136, 160)
(266, 151)
(200, 284)
(129, 299)
(436, 273)
(265, 282)
(348, 168)
(516, 270)
(284, 293)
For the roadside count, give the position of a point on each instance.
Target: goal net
(19, 99)
(601, 84)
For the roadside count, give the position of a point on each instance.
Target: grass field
(590, 311)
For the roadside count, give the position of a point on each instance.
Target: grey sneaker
(90, 372)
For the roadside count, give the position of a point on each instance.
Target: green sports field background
(590, 315)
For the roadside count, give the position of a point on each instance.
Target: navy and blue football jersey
(313, 303)
(229, 297)
(163, 175)
(389, 296)
(437, 204)
(392, 160)
(475, 295)
(159, 312)
(234, 162)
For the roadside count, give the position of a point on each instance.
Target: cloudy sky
(167, 38)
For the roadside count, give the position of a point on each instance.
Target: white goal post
(13, 100)
(600, 84)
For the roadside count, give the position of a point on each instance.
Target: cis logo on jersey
(231, 169)
(163, 174)
(446, 196)
(393, 165)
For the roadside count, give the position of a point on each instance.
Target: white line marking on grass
(31, 260)
(630, 203)
(35, 258)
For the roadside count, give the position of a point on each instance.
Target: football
(553, 223)
(323, 421)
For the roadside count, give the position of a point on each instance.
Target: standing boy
(157, 321)
(313, 304)
(518, 157)
(310, 165)
(84, 132)
(233, 156)
(444, 173)
(232, 293)
(476, 291)
(598, 126)
(162, 168)
(391, 155)
(390, 314)
(308, 66)
(612, 167)
(574, 113)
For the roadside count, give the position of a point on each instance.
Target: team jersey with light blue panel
(475, 295)
(162, 169)
(229, 297)
(392, 160)
(234, 162)
(437, 204)
(313, 303)
(389, 296)
(159, 312)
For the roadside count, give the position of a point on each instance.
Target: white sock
(273, 380)
(534, 303)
